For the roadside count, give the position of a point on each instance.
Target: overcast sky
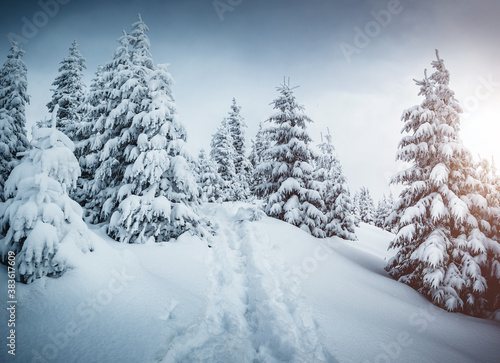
(356, 84)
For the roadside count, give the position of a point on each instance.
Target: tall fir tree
(292, 193)
(223, 154)
(106, 158)
(13, 100)
(157, 196)
(442, 247)
(90, 110)
(338, 208)
(237, 128)
(242, 165)
(69, 92)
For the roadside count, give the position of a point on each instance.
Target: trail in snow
(254, 313)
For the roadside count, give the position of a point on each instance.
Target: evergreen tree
(334, 192)
(7, 144)
(490, 226)
(242, 165)
(293, 195)
(69, 93)
(257, 156)
(356, 208)
(93, 107)
(440, 237)
(259, 147)
(383, 212)
(110, 119)
(39, 220)
(209, 180)
(392, 220)
(237, 129)
(223, 154)
(13, 100)
(158, 194)
(366, 206)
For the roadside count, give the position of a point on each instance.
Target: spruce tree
(260, 145)
(490, 226)
(366, 206)
(223, 154)
(392, 220)
(40, 222)
(237, 127)
(157, 196)
(209, 179)
(334, 192)
(242, 165)
(440, 237)
(8, 143)
(106, 158)
(356, 208)
(13, 100)
(69, 92)
(292, 194)
(90, 110)
(382, 212)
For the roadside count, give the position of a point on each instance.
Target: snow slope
(266, 292)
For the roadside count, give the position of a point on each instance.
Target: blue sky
(245, 52)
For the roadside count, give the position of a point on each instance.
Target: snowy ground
(264, 292)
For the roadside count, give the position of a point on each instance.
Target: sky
(354, 62)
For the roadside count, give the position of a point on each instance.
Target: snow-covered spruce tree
(392, 220)
(490, 223)
(442, 249)
(91, 109)
(366, 206)
(242, 165)
(334, 192)
(158, 195)
(260, 145)
(209, 179)
(110, 119)
(383, 211)
(237, 129)
(356, 212)
(7, 144)
(69, 92)
(40, 222)
(222, 153)
(13, 100)
(293, 194)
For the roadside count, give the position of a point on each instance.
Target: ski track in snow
(254, 313)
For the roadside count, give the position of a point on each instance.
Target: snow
(439, 174)
(266, 292)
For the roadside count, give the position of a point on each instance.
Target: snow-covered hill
(265, 292)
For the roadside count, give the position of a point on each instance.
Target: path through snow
(254, 312)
